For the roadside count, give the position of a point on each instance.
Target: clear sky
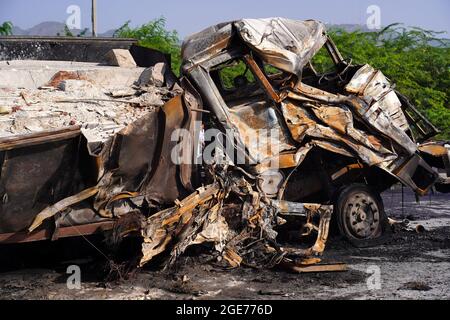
(188, 16)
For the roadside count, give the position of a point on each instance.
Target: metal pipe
(94, 18)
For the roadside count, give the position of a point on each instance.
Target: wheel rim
(362, 216)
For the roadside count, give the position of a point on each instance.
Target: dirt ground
(411, 265)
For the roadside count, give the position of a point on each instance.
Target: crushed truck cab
(285, 142)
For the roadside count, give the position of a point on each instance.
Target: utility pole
(94, 18)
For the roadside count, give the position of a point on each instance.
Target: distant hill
(17, 31)
(52, 28)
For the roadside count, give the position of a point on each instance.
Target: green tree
(69, 33)
(83, 32)
(6, 28)
(155, 35)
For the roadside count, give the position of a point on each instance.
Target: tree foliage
(69, 33)
(6, 28)
(155, 35)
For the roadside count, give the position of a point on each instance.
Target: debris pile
(233, 215)
(404, 225)
(206, 216)
(85, 97)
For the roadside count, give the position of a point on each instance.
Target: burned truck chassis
(343, 141)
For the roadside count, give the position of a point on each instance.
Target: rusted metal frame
(290, 208)
(62, 232)
(435, 150)
(446, 161)
(280, 194)
(262, 78)
(199, 110)
(333, 51)
(408, 106)
(281, 161)
(213, 98)
(346, 169)
(158, 148)
(210, 62)
(202, 58)
(187, 86)
(316, 94)
(211, 95)
(324, 212)
(361, 111)
(158, 182)
(51, 210)
(237, 142)
(407, 169)
(333, 267)
(416, 124)
(38, 138)
(189, 203)
(185, 172)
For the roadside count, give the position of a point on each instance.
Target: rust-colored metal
(321, 267)
(31, 139)
(63, 232)
(434, 149)
(64, 75)
(262, 78)
(346, 169)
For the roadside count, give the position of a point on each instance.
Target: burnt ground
(411, 266)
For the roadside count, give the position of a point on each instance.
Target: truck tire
(360, 216)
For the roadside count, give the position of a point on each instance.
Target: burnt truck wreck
(284, 143)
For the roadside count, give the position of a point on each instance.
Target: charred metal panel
(164, 185)
(134, 151)
(82, 49)
(35, 177)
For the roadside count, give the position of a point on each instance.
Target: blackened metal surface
(77, 49)
(59, 48)
(147, 57)
(35, 177)
(164, 184)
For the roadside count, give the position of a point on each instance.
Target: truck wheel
(360, 216)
